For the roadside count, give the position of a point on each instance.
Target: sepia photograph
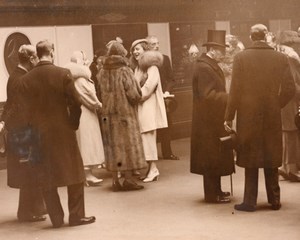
(149, 120)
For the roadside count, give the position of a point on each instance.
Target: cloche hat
(136, 42)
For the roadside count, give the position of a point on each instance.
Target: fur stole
(79, 71)
(150, 58)
(115, 61)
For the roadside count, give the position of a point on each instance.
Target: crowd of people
(64, 122)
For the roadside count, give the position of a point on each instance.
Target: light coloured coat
(88, 134)
(151, 109)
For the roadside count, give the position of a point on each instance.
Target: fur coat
(120, 95)
(151, 109)
(88, 134)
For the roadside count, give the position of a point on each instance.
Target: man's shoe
(171, 157)
(131, 186)
(276, 206)
(283, 174)
(38, 218)
(218, 199)
(82, 221)
(244, 207)
(225, 194)
(293, 177)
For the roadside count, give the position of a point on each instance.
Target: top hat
(216, 38)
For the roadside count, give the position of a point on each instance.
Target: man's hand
(228, 126)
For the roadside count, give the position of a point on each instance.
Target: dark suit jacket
(50, 92)
(166, 75)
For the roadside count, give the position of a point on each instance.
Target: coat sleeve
(87, 93)
(287, 89)
(234, 96)
(151, 83)
(131, 87)
(9, 108)
(207, 90)
(73, 101)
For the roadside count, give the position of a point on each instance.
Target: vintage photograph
(130, 119)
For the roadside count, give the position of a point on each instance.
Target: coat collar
(259, 45)
(115, 61)
(43, 62)
(209, 61)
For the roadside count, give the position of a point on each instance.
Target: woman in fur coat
(151, 109)
(88, 134)
(120, 94)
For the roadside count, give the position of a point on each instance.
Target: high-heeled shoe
(94, 182)
(152, 176)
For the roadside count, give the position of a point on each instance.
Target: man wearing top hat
(261, 85)
(209, 103)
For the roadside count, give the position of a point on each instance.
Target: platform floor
(171, 208)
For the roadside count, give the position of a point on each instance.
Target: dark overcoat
(209, 102)
(262, 84)
(120, 94)
(19, 174)
(50, 93)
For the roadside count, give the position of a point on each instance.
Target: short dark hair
(43, 48)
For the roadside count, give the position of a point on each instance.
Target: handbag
(24, 143)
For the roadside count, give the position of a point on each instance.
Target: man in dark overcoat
(262, 84)
(209, 103)
(167, 84)
(55, 110)
(20, 173)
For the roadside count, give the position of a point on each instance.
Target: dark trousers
(164, 135)
(251, 185)
(75, 203)
(212, 187)
(31, 203)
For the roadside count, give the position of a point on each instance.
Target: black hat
(216, 38)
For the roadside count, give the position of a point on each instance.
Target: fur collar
(79, 71)
(150, 58)
(115, 61)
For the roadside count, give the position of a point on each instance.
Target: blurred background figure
(235, 46)
(290, 134)
(97, 64)
(88, 134)
(20, 173)
(167, 83)
(120, 95)
(151, 109)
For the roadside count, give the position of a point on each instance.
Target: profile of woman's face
(137, 51)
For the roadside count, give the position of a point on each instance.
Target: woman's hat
(116, 48)
(136, 42)
(216, 38)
